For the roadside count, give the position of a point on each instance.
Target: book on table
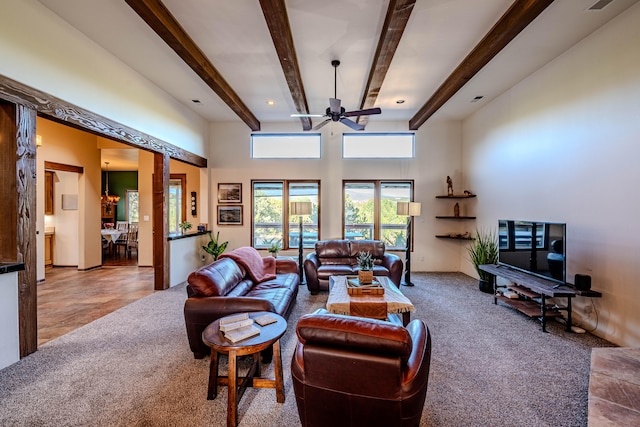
(265, 319)
(235, 335)
(234, 318)
(235, 325)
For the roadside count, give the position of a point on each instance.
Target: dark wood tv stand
(534, 292)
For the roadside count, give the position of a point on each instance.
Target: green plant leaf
(484, 250)
(214, 247)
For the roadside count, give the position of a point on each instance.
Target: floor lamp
(300, 208)
(408, 209)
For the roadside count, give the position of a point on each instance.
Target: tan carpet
(490, 366)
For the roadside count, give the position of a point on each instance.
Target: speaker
(583, 282)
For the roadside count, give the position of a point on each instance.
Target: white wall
(563, 146)
(437, 155)
(9, 336)
(66, 247)
(77, 239)
(41, 50)
(185, 256)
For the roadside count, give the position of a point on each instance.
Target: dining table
(111, 235)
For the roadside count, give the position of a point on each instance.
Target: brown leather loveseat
(351, 371)
(338, 258)
(225, 287)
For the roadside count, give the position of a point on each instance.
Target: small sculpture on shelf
(468, 193)
(456, 210)
(449, 186)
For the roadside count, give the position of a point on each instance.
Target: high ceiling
(230, 43)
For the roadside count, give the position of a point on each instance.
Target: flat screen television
(534, 247)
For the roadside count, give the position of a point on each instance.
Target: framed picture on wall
(229, 193)
(230, 215)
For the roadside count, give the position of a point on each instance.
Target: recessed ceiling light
(195, 101)
(400, 101)
(271, 102)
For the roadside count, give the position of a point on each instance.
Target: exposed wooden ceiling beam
(395, 22)
(275, 13)
(520, 14)
(158, 17)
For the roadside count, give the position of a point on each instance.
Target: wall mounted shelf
(444, 236)
(455, 236)
(460, 196)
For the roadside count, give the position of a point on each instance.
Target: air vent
(600, 4)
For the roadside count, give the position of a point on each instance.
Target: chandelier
(109, 200)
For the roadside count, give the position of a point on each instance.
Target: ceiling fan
(337, 113)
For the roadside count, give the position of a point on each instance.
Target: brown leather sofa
(224, 287)
(351, 371)
(338, 258)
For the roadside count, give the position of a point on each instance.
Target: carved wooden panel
(58, 110)
(18, 219)
(8, 219)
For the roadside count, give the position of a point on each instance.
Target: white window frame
(286, 146)
(378, 145)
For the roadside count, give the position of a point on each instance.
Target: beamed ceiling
(437, 56)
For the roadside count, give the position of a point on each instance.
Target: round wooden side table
(269, 336)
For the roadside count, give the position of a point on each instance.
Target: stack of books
(238, 327)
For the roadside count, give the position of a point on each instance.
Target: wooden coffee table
(374, 306)
(269, 335)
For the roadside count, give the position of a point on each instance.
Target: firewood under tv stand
(534, 292)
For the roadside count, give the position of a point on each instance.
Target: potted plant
(274, 248)
(365, 267)
(484, 250)
(214, 247)
(184, 226)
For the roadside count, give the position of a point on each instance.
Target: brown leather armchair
(351, 371)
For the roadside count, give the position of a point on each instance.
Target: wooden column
(18, 218)
(160, 224)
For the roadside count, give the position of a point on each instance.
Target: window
(370, 211)
(132, 206)
(285, 146)
(271, 200)
(177, 201)
(378, 145)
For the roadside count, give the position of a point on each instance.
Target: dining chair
(105, 246)
(132, 239)
(122, 241)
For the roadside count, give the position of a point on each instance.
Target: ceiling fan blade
(306, 115)
(353, 125)
(334, 105)
(367, 112)
(319, 125)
